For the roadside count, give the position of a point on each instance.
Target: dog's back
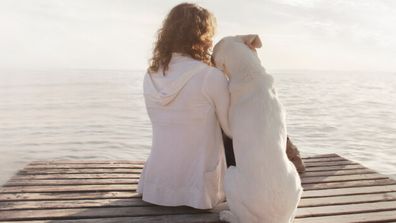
(272, 186)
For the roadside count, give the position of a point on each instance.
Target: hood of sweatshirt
(166, 94)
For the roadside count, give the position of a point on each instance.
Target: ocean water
(100, 114)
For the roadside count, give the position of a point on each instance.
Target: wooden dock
(335, 190)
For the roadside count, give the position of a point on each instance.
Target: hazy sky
(118, 34)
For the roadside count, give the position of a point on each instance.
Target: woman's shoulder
(188, 61)
(215, 80)
(215, 74)
(209, 70)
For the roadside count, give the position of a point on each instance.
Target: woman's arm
(216, 88)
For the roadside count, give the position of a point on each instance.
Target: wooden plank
(83, 203)
(326, 159)
(345, 209)
(327, 179)
(43, 162)
(321, 156)
(67, 188)
(336, 172)
(380, 216)
(116, 194)
(349, 191)
(328, 168)
(348, 199)
(346, 184)
(330, 163)
(77, 171)
(179, 218)
(69, 182)
(76, 176)
(76, 213)
(21, 196)
(85, 166)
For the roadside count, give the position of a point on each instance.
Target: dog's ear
(252, 40)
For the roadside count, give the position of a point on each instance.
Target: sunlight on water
(96, 114)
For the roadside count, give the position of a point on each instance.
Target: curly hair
(188, 29)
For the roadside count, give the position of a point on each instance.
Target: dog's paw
(228, 216)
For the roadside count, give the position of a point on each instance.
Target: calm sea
(100, 114)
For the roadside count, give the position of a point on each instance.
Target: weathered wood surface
(90, 191)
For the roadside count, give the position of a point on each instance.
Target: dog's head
(236, 55)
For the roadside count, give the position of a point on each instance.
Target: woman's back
(186, 107)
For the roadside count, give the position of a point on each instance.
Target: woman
(187, 101)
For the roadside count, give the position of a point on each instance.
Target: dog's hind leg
(239, 199)
(235, 195)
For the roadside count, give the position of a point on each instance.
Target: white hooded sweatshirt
(187, 108)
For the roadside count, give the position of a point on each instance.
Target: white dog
(264, 186)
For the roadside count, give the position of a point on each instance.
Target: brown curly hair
(188, 29)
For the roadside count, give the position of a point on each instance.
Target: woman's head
(188, 29)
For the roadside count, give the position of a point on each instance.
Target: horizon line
(277, 70)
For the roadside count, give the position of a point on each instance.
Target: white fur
(264, 186)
